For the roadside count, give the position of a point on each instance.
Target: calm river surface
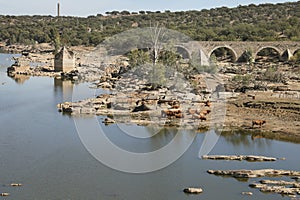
(40, 148)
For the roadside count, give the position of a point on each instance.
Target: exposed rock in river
(280, 182)
(16, 184)
(108, 121)
(250, 158)
(274, 186)
(193, 190)
(277, 189)
(247, 193)
(254, 173)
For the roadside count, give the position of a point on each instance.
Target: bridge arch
(184, 52)
(229, 51)
(267, 51)
(297, 51)
(296, 55)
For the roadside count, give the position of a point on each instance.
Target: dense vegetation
(265, 22)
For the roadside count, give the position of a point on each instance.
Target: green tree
(169, 58)
(55, 39)
(138, 58)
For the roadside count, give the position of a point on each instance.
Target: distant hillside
(264, 22)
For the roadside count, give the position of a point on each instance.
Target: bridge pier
(285, 49)
(204, 49)
(286, 55)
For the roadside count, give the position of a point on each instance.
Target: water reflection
(155, 140)
(242, 138)
(210, 140)
(96, 141)
(63, 88)
(52, 163)
(19, 78)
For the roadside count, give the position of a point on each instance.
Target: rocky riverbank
(290, 188)
(250, 158)
(261, 91)
(131, 96)
(282, 115)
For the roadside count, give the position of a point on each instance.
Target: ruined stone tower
(64, 61)
(58, 9)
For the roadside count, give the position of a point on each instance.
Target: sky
(93, 7)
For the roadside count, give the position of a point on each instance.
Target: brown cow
(258, 122)
(170, 113)
(165, 113)
(202, 118)
(207, 103)
(176, 106)
(205, 112)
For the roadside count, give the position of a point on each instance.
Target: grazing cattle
(205, 112)
(258, 123)
(176, 106)
(202, 118)
(170, 113)
(165, 113)
(207, 103)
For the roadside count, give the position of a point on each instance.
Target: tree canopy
(266, 22)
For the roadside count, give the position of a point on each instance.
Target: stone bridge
(285, 49)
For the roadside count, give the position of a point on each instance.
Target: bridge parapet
(286, 49)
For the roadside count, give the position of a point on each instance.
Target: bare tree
(157, 37)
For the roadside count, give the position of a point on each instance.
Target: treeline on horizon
(265, 22)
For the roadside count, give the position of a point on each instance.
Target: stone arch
(184, 52)
(230, 50)
(296, 51)
(296, 55)
(275, 51)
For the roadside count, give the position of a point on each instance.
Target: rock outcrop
(250, 158)
(279, 189)
(291, 188)
(108, 121)
(254, 173)
(193, 190)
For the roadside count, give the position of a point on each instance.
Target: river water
(41, 148)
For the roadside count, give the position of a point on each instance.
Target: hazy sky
(92, 7)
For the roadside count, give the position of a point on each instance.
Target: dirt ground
(282, 115)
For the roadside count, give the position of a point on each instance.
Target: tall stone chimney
(58, 9)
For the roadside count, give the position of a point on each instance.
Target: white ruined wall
(64, 61)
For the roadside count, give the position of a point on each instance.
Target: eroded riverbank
(52, 162)
(185, 96)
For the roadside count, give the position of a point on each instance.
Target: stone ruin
(19, 67)
(64, 61)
